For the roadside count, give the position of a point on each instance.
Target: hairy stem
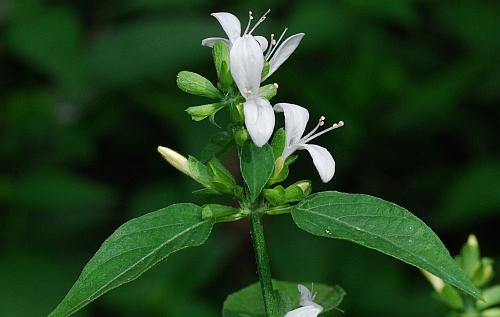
(263, 268)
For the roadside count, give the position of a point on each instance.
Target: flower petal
(259, 120)
(296, 118)
(283, 52)
(246, 62)
(307, 311)
(230, 24)
(322, 159)
(262, 42)
(210, 41)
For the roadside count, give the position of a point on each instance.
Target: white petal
(246, 62)
(322, 159)
(262, 41)
(259, 120)
(307, 311)
(210, 41)
(283, 52)
(230, 24)
(296, 118)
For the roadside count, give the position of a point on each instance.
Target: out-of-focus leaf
(472, 196)
(144, 50)
(49, 40)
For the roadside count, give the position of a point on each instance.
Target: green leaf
(383, 226)
(248, 302)
(134, 248)
(257, 164)
(196, 84)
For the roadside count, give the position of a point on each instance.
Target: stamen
(272, 42)
(321, 122)
(278, 42)
(309, 137)
(260, 21)
(250, 18)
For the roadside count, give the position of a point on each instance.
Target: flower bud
(199, 113)
(241, 136)
(470, 257)
(221, 60)
(275, 196)
(269, 91)
(298, 191)
(196, 84)
(175, 159)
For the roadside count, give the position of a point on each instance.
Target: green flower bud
(275, 196)
(265, 69)
(199, 113)
(298, 191)
(241, 136)
(269, 91)
(470, 257)
(485, 273)
(221, 60)
(196, 84)
(446, 293)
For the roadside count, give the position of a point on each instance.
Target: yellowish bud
(175, 159)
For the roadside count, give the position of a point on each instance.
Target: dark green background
(87, 92)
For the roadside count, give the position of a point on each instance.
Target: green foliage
(383, 226)
(134, 248)
(248, 301)
(257, 165)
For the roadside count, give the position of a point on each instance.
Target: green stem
(263, 268)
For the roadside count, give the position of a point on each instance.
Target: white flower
(276, 54)
(246, 63)
(296, 118)
(232, 27)
(309, 307)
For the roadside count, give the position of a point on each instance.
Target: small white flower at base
(246, 63)
(296, 118)
(309, 307)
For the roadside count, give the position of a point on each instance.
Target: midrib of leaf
(89, 298)
(373, 234)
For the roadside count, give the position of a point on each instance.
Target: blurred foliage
(88, 91)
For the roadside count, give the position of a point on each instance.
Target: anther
(259, 22)
(275, 85)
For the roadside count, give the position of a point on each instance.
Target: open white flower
(296, 118)
(275, 53)
(246, 63)
(232, 27)
(309, 307)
